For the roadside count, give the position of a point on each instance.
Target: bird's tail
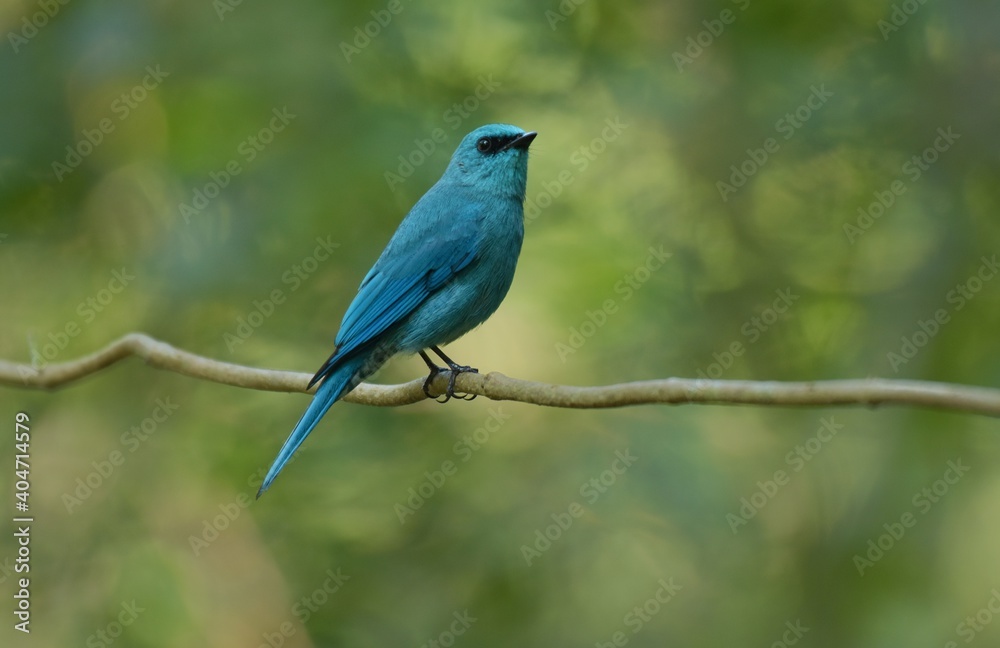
(335, 386)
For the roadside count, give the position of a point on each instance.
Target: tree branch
(869, 392)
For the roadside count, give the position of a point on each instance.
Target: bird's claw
(449, 392)
(430, 379)
(454, 372)
(454, 369)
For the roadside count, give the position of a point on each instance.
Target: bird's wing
(412, 268)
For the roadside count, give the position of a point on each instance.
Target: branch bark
(867, 392)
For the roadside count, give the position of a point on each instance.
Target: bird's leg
(455, 370)
(435, 370)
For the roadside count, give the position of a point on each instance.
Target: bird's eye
(484, 145)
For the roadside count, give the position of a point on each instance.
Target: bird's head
(493, 157)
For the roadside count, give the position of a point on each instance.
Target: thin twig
(868, 391)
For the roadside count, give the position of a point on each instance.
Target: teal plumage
(445, 271)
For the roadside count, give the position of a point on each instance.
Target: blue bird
(445, 270)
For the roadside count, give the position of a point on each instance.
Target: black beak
(522, 142)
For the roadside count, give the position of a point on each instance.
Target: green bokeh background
(63, 233)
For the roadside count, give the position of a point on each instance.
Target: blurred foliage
(858, 88)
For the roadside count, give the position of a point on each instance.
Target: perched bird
(445, 270)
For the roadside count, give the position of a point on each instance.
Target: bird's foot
(454, 369)
(435, 370)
